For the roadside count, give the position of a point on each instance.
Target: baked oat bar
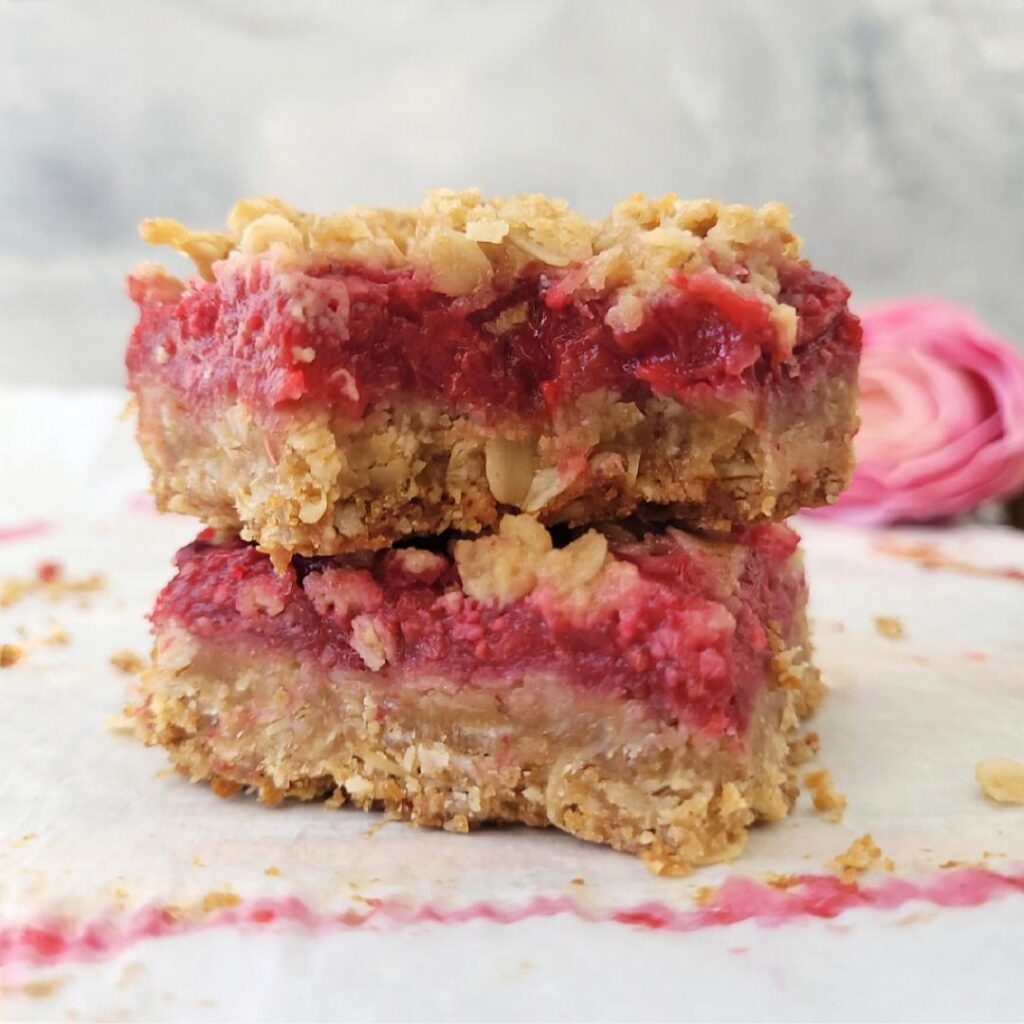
(329, 384)
(640, 689)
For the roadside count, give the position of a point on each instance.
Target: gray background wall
(894, 130)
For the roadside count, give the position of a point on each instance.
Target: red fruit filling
(685, 633)
(350, 336)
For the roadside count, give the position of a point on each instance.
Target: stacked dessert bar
(492, 496)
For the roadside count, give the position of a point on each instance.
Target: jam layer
(687, 626)
(352, 336)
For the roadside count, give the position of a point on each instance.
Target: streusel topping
(466, 242)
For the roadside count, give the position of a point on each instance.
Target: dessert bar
(633, 686)
(327, 384)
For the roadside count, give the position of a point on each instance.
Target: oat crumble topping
(466, 242)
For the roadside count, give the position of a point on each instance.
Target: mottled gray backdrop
(893, 128)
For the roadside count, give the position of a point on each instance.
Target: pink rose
(942, 416)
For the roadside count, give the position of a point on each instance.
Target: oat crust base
(310, 484)
(535, 753)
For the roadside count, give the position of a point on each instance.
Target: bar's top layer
(466, 242)
(518, 305)
(680, 623)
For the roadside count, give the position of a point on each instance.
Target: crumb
(703, 894)
(272, 871)
(41, 988)
(128, 662)
(1001, 779)
(889, 864)
(888, 626)
(119, 722)
(860, 855)
(11, 654)
(918, 917)
(927, 556)
(50, 581)
(224, 788)
(219, 901)
(577, 881)
(805, 748)
(199, 863)
(130, 972)
(777, 881)
(57, 637)
(826, 797)
(49, 572)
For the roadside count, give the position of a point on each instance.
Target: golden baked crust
(466, 242)
(534, 751)
(310, 484)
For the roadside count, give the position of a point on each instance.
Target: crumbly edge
(309, 484)
(465, 242)
(535, 752)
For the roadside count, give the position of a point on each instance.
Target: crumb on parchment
(1001, 779)
(219, 901)
(50, 581)
(779, 881)
(128, 662)
(39, 988)
(826, 797)
(861, 855)
(11, 654)
(58, 636)
(704, 894)
(889, 626)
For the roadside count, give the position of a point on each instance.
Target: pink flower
(942, 416)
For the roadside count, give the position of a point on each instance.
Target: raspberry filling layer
(679, 624)
(351, 336)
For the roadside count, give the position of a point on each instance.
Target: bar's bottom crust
(536, 753)
(307, 484)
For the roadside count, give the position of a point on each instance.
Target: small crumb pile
(1001, 779)
(50, 582)
(826, 797)
(861, 855)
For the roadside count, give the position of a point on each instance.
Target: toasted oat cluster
(332, 384)
(492, 496)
